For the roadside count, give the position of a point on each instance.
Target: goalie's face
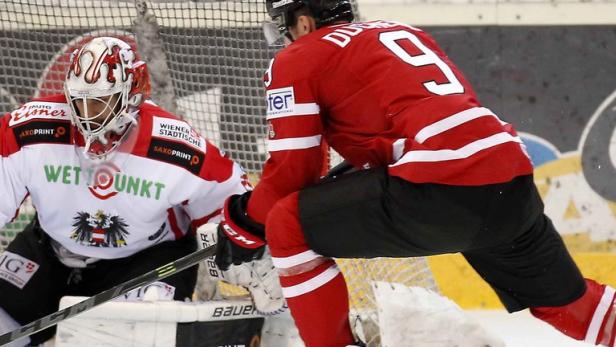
(96, 118)
(93, 114)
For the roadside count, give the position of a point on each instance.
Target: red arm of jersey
(294, 140)
(209, 178)
(12, 188)
(223, 178)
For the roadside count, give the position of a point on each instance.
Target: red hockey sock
(320, 310)
(591, 318)
(312, 284)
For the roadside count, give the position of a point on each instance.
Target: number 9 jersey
(380, 93)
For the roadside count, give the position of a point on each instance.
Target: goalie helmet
(324, 12)
(105, 76)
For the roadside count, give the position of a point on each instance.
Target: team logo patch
(177, 130)
(99, 230)
(280, 102)
(104, 181)
(177, 153)
(42, 132)
(39, 110)
(16, 269)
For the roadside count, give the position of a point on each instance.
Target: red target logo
(102, 182)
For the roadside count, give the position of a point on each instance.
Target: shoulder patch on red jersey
(280, 102)
(36, 131)
(176, 153)
(178, 131)
(41, 121)
(40, 110)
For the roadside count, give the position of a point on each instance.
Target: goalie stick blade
(109, 294)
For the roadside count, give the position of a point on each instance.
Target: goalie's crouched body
(50, 272)
(118, 183)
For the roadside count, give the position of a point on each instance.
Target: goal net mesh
(206, 60)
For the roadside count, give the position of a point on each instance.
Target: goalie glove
(240, 239)
(260, 278)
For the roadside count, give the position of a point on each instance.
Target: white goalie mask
(105, 85)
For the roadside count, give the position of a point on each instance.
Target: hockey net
(206, 60)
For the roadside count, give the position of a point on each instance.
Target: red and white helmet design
(106, 70)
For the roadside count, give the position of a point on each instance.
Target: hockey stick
(109, 294)
(342, 168)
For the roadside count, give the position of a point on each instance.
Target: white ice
(521, 329)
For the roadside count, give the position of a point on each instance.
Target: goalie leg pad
(591, 318)
(8, 324)
(313, 285)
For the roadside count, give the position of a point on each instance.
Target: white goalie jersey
(164, 178)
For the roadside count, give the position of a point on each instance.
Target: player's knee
(282, 227)
(591, 318)
(290, 251)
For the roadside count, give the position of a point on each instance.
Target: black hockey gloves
(240, 239)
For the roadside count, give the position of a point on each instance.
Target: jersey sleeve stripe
(294, 143)
(311, 284)
(452, 122)
(301, 258)
(398, 148)
(203, 220)
(173, 223)
(308, 109)
(461, 153)
(595, 324)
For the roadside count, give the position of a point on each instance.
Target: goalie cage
(206, 61)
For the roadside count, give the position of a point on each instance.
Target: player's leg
(591, 318)
(534, 269)
(105, 274)
(365, 214)
(313, 285)
(31, 284)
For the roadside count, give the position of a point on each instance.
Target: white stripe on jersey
(312, 283)
(461, 153)
(452, 122)
(308, 109)
(301, 258)
(398, 148)
(294, 143)
(597, 319)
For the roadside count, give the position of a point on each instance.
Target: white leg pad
(8, 324)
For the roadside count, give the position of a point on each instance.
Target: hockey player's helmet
(325, 12)
(107, 73)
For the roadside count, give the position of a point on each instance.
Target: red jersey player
(441, 173)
